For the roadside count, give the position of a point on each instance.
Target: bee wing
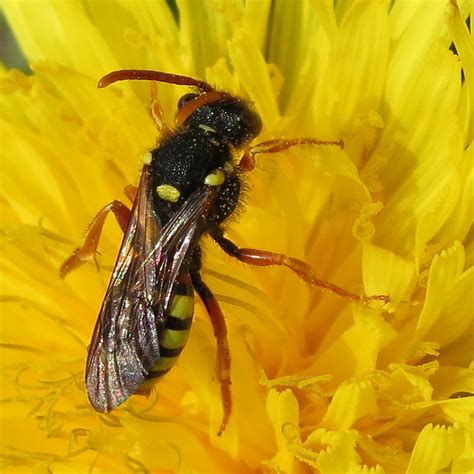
(125, 345)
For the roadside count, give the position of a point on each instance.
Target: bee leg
(131, 192)
(247, 162)
(303, 270)
(223, 354)
(89, 247)
(157, 111)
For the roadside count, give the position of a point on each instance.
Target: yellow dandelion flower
(319, 383)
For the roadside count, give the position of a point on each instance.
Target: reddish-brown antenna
(144, 75)
(207, 98)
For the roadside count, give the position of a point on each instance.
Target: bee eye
(252, 121)
(185, 99)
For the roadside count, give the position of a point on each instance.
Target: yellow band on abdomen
(174, 335)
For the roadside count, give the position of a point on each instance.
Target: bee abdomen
(174, 335)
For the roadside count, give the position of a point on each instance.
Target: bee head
(227, 116)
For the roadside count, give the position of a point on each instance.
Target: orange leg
(223, 354)
(302, 269)
(131, 192)
(247, 162)
(89, 248)
(157, 111)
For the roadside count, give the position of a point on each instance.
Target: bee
(190, 184)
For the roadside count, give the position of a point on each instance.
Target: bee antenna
(145, 75)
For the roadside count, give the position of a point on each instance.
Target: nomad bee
(189, 186)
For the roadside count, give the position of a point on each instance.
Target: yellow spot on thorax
(167, 192)
(215, 178)
(147, 158)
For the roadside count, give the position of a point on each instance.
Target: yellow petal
(418, 184)
(358, 73)
(283, 411)
(444, 273)
(340, 454)
(62, 32)
(351, 402)
(463, 43)
(435, 448)
(255, 77)
(456, 317)
(450, 380)
(387, 274)
(205, 28)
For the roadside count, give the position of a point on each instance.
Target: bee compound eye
(252, 121)
(185, 99)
